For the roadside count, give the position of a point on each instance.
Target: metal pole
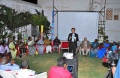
(53, 5)
(52, 27)
(57, 24)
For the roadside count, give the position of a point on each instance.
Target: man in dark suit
(73, 38)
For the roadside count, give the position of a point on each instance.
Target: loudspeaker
(34, 30)
(72, 66)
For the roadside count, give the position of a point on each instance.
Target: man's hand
(13, 49)
(12, 62)
(5, 51)
(85, 48)
(70, 37)
(113, 70)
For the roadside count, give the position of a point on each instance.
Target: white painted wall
(21, 5)
(112, 26)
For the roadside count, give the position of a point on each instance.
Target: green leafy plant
(102, 33)
(38, 20)
(19, 35)
(12, 19)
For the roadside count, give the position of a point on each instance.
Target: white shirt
(24, 73)
(31, 43)
(73, 35)
(85, 44)
(40, 42)
(8, 66)
(3, 49)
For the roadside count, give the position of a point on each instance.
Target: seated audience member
(48, 49)
(48, 46)
(102, 51)
(40, 45)
(4, 51)
(85, 46)
(21, 47)
(94, 47)
(56, 43)
(24, 72)
(5, 65)
(31, 47)
(12, 49)
(114, 47)
(59, 71)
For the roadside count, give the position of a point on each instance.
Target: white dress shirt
(3, 49)
(8, 66)
(24, 73)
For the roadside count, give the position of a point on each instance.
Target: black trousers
(72, 47)
(1, 76)
(22, 50)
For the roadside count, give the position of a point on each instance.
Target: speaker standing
(73, 38)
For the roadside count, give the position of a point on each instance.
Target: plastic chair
(65, 45)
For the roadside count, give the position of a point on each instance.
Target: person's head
(62, 62)
(19, 39)
(12, 61)
(107, 41)
(114, 43)
(3, 44)
(10, 40)
(24, 65)
(73, 30)
(39, 37)
(96, 40)
(29, 38)
(56, 37)
(85, 39)
(4, 60)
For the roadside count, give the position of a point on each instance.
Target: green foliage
(10, 35)
(22, 19)
(101, 31)
(105, 37)
(19, 35)
(4, 36)
(38, 20)
(12, 19)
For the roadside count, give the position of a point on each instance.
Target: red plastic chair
(65, 45)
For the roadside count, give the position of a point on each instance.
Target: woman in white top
(31, 46)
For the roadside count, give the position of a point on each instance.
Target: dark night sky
(31, 1)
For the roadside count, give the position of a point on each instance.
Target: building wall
(112, 27)
(21, 6)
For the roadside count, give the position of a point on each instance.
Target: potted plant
(102, 34)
